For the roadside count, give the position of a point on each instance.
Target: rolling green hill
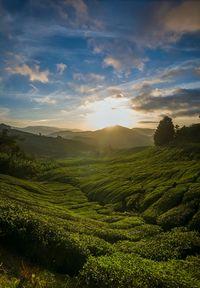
(43, 146)
(116, 137)
(127, 220)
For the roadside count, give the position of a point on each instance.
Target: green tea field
(129, 219)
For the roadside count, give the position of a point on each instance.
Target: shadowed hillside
(44, 130)
(116, 137)
(43, 146)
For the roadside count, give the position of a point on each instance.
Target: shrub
(175, 217)
(195, 222)
(35, 238)
(169, 245)
(122, 270)
(170, 199)
(22, 166)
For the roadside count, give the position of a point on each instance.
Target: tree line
(166, 133)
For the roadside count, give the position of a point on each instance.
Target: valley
(96, 218)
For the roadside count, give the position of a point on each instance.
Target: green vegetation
(164, 133)
(46, 147)
(188, 134)
(128, 219)
(122, 270)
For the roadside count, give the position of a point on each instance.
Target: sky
(89, 64)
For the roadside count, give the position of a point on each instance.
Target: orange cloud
(34, 74)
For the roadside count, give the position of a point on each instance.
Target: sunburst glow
(110, 112)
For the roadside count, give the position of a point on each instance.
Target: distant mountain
(145, 131)
(44, 130)
(117, 137)
(68, 142)
(44, 146)
(4, 126)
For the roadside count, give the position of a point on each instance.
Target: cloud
(86, 89)
(122, 56)
(176, 71)
(113, 62)
(118, 96)
(95, 77)
(147, 122)
(88, 77)
(114, 90)
(45, 100)
(166, 75)
(34, 74)
(61, 68)
(166, 22)
(180, 102)
(43, 120)
(183, 18)
(81, 17)
(79, 6)
(147, 84)
(197, 70)
(124, 61)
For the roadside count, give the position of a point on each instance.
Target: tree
(8, 143)
(165, 132)
(189, 134)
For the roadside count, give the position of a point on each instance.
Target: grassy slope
(43, 146)
(137, 198)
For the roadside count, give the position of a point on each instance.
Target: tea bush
(128, 270)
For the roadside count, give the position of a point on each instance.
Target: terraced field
(125, 220)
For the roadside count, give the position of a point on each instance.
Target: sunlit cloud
(177, 102)
(166, 22)
(34, 74)
(113, 62)
(88, 77)
(183, 18)
(61, 68)
(85, 89)
(45, 100)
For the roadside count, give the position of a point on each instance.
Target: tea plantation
(128, 219)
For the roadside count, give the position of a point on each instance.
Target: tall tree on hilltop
(165, 132)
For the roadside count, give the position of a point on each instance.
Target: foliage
(107, 220)
(189, 134)
(176, 244)
(34, 238)
(8, 143)
(48, 147)
(23, 166)
(129, 270)
(164, 133)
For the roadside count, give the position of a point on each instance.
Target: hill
(116, 137)
(128, 220)
(44, 130)
(43, 146)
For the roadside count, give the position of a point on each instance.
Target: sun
(110, 112)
